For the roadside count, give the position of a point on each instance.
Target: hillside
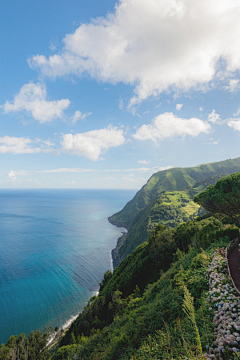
(131, 319)
(167, 198)
(139, 311)
(159, 302)
(172, 179)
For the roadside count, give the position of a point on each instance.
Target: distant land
(159, 302)
(167, 198)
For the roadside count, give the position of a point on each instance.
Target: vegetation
(171, 179)
(172, 207)
(21, 347)
(223, 197)
(157, 303)
(168, 207)
(129, 311)
(139, 312)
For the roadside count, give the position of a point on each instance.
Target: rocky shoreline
(115, 258)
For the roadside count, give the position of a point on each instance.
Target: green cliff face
(167, 197)
(140, 311)
(143, 298)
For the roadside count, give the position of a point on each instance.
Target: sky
(102, 94)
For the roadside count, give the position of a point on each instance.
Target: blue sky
(101, 94)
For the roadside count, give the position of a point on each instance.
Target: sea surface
(55, 246)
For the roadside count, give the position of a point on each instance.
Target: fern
(189, 310)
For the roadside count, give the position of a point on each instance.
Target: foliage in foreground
(167, 197)
(154, 306)
(223, 197)
(143, 267)
(129, 311)
(21, 347)
(142, 302)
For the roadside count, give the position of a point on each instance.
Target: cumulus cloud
(179, 106)
(13, 175)
(143, 162)
(107, 178)
(233, 85)
(66, 170)
(93, 143)
(131, 179)
(168, 125)
(79, 116)
(211, 142)
(32, 98)
(153, 45)
(237, 113)
(17, 145)
(70, 183)
(234, 124)
(214, 117)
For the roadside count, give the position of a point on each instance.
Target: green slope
(171, 208)
(139, 313)
(167, 198)
(115, 324)
(172, 179)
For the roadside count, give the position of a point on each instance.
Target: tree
(223, 197)
(107, 276)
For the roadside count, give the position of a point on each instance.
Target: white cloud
(53, 44)
(32, 98)
(234, 124)
(132, 179)
(104, 178)
(214, 117)
(237, 113)
(211, 142)
(120, 104)
(70, 183)
(162, 168)
(200, 109)
(143, 162)
(44, 143)
(167, 125)
(233, 85)
(153, 45)
(93, 143)
(141, 170)
(35, 182)
(179, 106)
(79, 116)
(17, 145)
(65, 170)
(13, 175)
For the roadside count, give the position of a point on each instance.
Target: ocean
(55, 246)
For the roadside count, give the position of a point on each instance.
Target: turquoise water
(54, 249)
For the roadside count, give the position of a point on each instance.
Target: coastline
(115, 261)
(56, 335)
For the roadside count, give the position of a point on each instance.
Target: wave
(55, 335)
